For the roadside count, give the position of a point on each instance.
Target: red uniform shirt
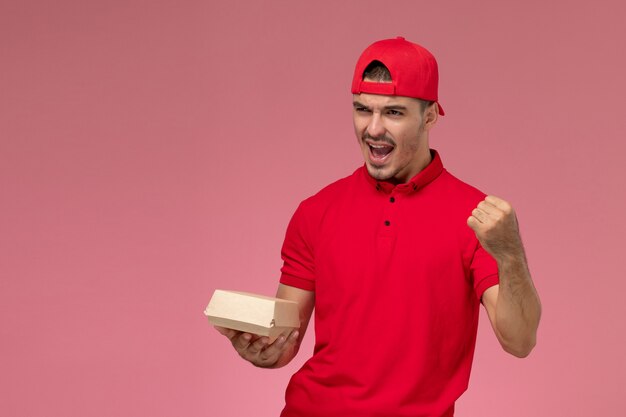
(398, 277)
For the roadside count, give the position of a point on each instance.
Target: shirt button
(392, 199)
(387, 222)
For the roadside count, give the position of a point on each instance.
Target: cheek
(359, 130)
(410, 138)
(406, 148)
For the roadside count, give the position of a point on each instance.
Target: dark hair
(377, 71)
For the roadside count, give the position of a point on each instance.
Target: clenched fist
(496, 228)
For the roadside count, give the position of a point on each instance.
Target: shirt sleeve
(484, 271)
(297, 254)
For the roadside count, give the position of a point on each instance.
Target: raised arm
(513, 306)
(258, 351)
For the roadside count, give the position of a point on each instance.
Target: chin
(381, 174)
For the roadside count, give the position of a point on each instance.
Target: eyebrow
(392, 107)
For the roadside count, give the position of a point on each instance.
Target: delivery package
(253, 313)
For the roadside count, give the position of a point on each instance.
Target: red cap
(413, 70)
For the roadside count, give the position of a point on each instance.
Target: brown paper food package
(253, 313)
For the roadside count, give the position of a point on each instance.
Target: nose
(375, 128)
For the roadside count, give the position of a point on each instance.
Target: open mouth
(379, 151)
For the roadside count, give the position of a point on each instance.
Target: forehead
(381, 101)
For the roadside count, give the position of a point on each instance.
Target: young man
(396, 259)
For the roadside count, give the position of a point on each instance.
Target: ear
(431, 114)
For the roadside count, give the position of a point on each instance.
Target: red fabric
(396, 307)
(413, 69)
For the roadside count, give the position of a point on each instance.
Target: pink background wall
(152, 151)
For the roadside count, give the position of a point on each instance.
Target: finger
(229, 333)
(498, 202)
(473, 223)
(480, 215)
(487, 207)
(242, 341)
(258, 345)
(283, 342)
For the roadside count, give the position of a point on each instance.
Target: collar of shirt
(420, 180)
